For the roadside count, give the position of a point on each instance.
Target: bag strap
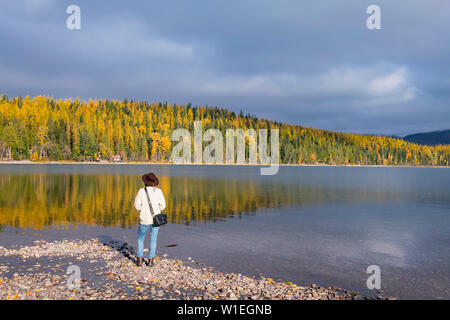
(149, 203)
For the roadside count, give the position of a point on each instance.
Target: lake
(322, 225)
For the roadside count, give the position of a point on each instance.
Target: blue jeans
(143, 228)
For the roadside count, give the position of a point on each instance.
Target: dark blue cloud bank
(313, 63)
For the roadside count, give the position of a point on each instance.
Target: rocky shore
(108, 271)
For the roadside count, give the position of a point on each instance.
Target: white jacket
(141, 204)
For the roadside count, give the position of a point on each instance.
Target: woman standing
(141, 203)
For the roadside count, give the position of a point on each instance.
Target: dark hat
(150, 179)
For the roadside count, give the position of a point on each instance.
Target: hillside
(42, 128)
(430, 138)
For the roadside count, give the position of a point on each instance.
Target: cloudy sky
(313, 63)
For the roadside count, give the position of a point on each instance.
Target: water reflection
(41, 200)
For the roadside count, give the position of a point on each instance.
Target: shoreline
(108, 272)
(29, 162)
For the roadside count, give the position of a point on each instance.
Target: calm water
(306, 224)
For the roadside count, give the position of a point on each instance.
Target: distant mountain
(430, 138)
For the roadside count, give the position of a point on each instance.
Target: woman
(141, 204)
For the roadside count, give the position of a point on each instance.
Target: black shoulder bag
(159, 219)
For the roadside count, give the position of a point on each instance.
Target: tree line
(43, 128)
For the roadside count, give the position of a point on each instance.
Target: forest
(43, 128)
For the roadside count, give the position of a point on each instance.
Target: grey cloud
(310, 63)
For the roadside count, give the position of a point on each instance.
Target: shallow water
(321, 225)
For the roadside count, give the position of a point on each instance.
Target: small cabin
(116, 158)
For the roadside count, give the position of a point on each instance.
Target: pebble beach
(108, 271)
